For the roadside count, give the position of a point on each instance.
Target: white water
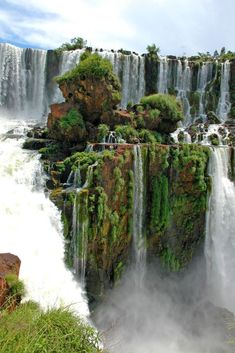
(139, 244)
(220, 232)
(31, 228)
(224, 104)
(183, 86)
(22, 82)
(203, 79)
(162, 84)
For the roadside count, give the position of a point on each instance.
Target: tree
(153, 50)
(75, 43)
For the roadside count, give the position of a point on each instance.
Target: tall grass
(29, 330)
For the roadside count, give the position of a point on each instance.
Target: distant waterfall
(183, 86)
(220, 232)
(204, 77)
(139, 245)
(31, 227)
(22, 82)
(162, 84)
(224, 100)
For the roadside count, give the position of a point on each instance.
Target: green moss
(103, 131)
(73, 118)
(169, 107)
(169, 260)
(160, 203)
(93, 67)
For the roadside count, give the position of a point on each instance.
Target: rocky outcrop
(9, 265)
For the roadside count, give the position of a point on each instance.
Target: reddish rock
(9, 264)
(57, 112)
(120, 117)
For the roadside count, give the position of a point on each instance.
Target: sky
(177, 27)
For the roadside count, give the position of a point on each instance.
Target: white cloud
(177, 26)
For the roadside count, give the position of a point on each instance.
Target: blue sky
(178, 27)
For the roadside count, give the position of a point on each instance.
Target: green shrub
(16, 286)
(94, 67)
(169, 107)
(29, 330)
(126, 132)
(75, 43)
(103, 131)
(73, 118)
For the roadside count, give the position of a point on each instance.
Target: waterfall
(220, 232)
(139, 245)
(22, 82)
(183, 87)
(162, 85)
(131, 72)
(31, 227)
(80, 223)
(203, 79)
(224, 104)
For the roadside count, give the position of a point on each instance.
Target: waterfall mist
(166, 314)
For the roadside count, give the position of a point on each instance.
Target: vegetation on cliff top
(92, 66)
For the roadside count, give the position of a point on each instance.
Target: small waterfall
(22, 82)
(80, 223)
(183, 87)
(31, 228)
(224, 104)
(162, 85)
(220, 232)
(139, 245)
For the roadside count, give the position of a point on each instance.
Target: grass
(29, 330)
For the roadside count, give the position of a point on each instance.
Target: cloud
(177, 26)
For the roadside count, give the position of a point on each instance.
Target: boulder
(9, 264)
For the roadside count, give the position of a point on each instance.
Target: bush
(75, 43)
(126, 132)
(103, 131)
(93, 66)
(73, 118)
(169, 107)
(15, 285)
(29, 330)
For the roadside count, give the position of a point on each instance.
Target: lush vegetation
(73, 118)
(92, 66)
(169, 107)
(75, 43)
(29, 330)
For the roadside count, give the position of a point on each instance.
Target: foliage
(153, 50)
(93, 67)
(29, 330)
(126, 132)
(73, 118)
(147, 136)
(75, 43)
(16, 286)
(103, 131)
(160, 203)
(169, 107)
(169, 260)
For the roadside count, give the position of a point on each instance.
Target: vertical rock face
(9, 264)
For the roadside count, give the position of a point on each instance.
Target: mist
(163, 313)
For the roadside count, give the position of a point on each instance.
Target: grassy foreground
(29, 330)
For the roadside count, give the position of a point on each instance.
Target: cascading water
(224, 104)
(31, 228)
(139, 245)
(162, 84)
(203, 79)
(80, 223)
(183, 87)
(220, 232)
(22, 82)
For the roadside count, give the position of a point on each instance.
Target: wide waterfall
(31, 227)
(22, 82)
(224, 100)
(220, 232)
